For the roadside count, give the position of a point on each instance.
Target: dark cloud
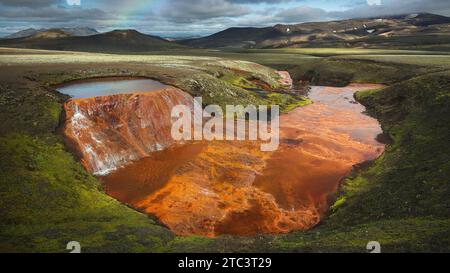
(54, 14)
(29, 3)
(197, 16)
(393, 7)
(48, 13)
(258, 1)
(361, 9)
(187, 11)
(301, 14)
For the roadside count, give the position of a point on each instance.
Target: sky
(182, 18)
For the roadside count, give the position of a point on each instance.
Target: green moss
(238, 80)
(340, 202)
(54, 110)
(52, 200)
(340, 72)
(287, 102)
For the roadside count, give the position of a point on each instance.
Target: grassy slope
(342, 69)
(434, 42)
(402, 200)
(47, 198)
(327, 52)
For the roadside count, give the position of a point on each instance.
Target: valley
(34, 150)
(86, 145)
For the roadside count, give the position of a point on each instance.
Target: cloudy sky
(174, 18)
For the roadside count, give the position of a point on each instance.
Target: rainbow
(129, 8)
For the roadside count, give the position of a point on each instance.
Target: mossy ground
(48, 199)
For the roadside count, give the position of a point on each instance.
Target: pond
(109, 86)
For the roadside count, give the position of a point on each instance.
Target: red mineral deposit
(223, 187)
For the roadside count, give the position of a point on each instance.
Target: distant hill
(49, 34)
(402, 30)
(234, 37)
(117, 41)
(80, 31)
(23, 33)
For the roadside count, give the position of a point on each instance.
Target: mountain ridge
(415, 31)
(116, 41)
(341, 33)
(75, 31)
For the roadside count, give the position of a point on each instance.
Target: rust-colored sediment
(110, 131)
(213, 188)
(223, 187)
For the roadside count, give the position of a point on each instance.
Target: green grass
(410, 182)
(341, 66)
(415, 169)
(326, 52)
(439, 61)
(344, 70)
(401, 43)
(287, 102)
(48, 199)
(219, 81)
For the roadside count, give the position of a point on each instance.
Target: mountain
(234, 37)
(78, 31)
(23, 33)
(117, 41)
(81, 31)
(401, 30)
(49, 34)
